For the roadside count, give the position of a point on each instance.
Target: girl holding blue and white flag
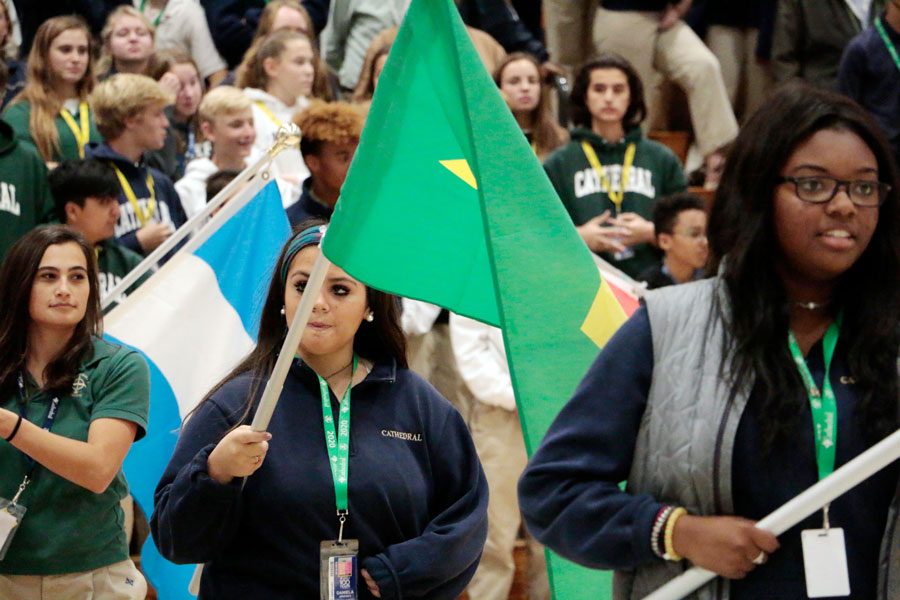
(71, 405)
(391, 492)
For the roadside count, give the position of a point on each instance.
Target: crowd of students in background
(123, 121)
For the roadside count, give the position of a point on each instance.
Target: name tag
(825, 562)
(338, 570)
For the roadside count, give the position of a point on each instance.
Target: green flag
(445, 202)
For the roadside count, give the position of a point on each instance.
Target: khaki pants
(746, 80)
(567, 24)
(498, 439)
(676, 54)
(119, 581)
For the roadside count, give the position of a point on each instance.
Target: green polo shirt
(67, 528)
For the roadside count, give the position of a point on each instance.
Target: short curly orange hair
(335, 122)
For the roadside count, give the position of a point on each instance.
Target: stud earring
(282, 310)
(370, 317)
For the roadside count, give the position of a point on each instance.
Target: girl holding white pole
(388, 487)
(744, 390)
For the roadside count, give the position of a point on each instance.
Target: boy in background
(680, 224)
(130, 114)
(86, 196)
(330, 135)
(226, 122)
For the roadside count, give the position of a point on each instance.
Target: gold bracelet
(670, 533)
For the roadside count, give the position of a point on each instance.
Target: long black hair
(16, 280)
(381, 339)
(637, 107)
(744, 250)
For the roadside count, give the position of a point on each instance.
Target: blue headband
(311, 236)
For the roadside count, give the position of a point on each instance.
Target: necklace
(327, 377)
(806, 305)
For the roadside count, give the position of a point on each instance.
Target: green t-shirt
(18, 115)
(655, 172)
(67, 528)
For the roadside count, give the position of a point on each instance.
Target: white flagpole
(795, 510)
(288, 136)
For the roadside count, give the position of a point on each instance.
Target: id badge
(825, 562)
(10, 517)
(337, 570)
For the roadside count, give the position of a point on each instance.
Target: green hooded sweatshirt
(18, 115)
(114, 262)
(655, 172)
(25, 200)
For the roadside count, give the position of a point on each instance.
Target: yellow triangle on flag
(460, 168)
(604, 317)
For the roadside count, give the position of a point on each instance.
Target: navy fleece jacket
(168, 203)
(417, 494)
(571, 500)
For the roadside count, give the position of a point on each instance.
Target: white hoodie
(192, 187)
(288, 165)
(481, 360)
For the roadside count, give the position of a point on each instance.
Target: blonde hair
(223, 100)
(251, 72)
(40, 82)
(105, 63)
(123, 96)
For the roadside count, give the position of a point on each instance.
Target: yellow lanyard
(82, 134)
(269, 113)
(143, 216)
(616, 196)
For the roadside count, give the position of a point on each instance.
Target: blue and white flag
(193, 321)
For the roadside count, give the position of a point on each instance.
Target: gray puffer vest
(683, 454)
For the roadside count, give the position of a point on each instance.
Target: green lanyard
(338, 444)
(158, 17)
(887, 42)
(822, 404)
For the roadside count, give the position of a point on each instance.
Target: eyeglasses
(819, 190)
(692, 235)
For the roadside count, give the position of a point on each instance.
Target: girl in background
(277, 75)
(528, 96)
(128, 43)
(52, 112)
(176, 70)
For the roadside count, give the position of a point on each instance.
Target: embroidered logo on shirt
(79, 384)
(402, 435)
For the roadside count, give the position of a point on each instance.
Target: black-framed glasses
(820, 189)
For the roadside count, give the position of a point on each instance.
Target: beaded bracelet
(657, 530)
(670, 534)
